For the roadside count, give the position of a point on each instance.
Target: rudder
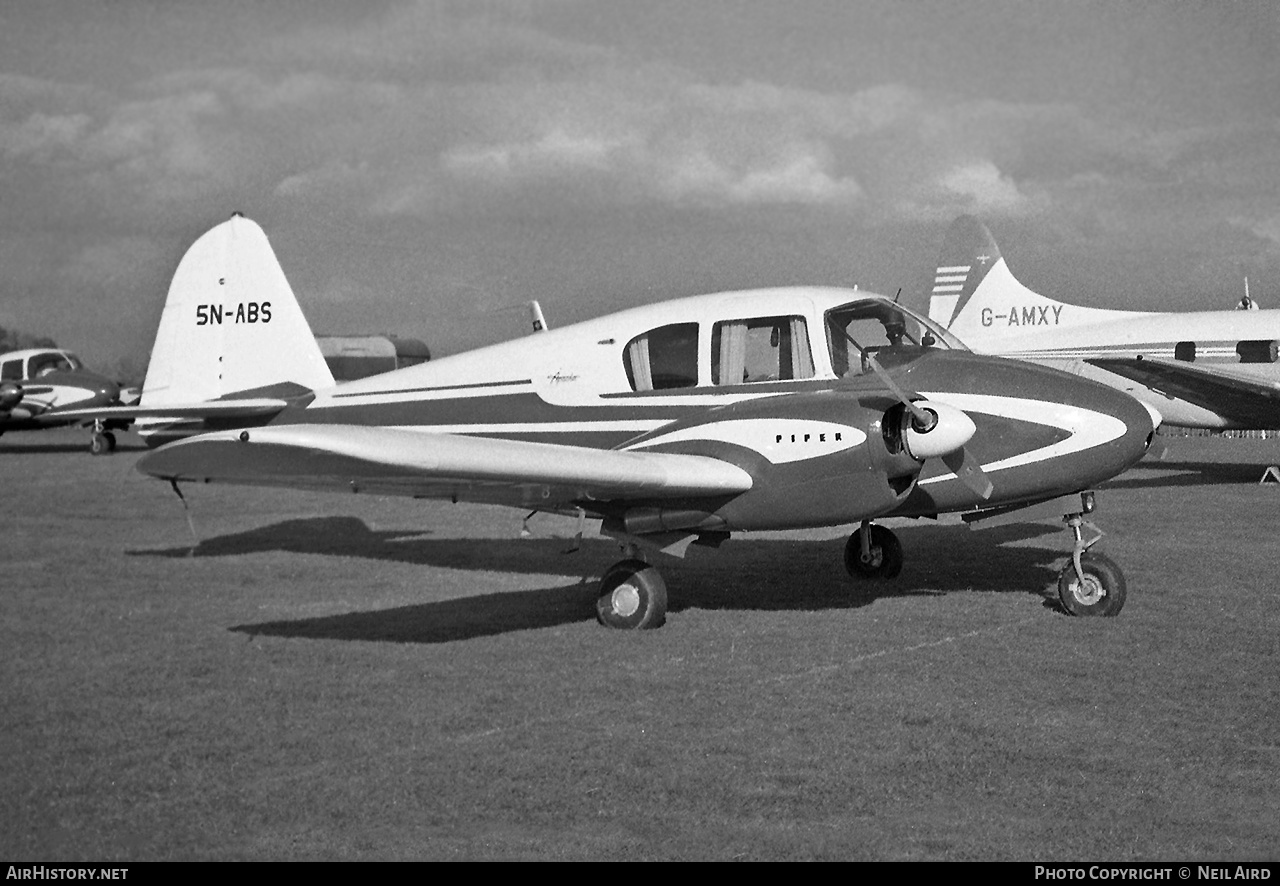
(231, 323)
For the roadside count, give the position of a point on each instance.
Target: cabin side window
(760, 349)
(11, 370)
(666, 357)
(1258, 351)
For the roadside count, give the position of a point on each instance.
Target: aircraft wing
(1245, 398)
(248, 408)
(398, 461)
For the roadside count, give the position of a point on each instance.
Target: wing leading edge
(405, 462)
(1248, 400)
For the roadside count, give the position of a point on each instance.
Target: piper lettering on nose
(836, 437)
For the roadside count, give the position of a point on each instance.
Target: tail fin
(976, 296)
(231, 324)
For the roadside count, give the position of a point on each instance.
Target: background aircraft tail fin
(976, 296)
(231, 324)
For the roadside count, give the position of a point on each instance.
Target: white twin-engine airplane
(1199, 369)
(672, 423)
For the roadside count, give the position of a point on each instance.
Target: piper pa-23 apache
(1198, 369)
(38, 387)
(672, 423)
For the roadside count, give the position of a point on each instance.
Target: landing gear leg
(873, 552)
(102, 441)
(632, 595)
(1091, 584)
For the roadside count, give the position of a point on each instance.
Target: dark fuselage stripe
(467, 387)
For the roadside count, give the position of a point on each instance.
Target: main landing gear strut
(1090, 584)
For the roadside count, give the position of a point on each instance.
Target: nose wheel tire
(882, 560)
(1100, 593)
(632, 596)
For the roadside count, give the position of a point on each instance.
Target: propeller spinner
(936, 430)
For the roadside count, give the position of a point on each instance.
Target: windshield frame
(917, 333)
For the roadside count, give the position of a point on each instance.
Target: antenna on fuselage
(535, 316)
(536, 319)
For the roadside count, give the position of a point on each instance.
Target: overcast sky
(418, 166)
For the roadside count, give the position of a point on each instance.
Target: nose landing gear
(1091, 584)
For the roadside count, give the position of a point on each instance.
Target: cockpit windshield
(52, 361)
(874, 325)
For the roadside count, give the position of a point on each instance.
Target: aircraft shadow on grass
(744, 574)
(1175, 474)
(79, 447)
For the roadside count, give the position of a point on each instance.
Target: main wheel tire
(99, 444)
(632, 596)
(111, 441)
(885, 560)
(1101, 593)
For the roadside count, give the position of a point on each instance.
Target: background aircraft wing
(398, 461)
(1244, 398)
(248, 408)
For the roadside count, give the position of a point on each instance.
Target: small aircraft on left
(39, 385)
(673, 424)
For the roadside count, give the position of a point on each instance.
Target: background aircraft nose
(108, 390)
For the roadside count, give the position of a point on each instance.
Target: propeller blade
(969, 471)
(922, 420)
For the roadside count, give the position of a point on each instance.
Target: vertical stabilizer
(231, 323)
(976, 296)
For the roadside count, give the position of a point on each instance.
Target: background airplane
(39, 385)
(1200, 369)
(673, 424)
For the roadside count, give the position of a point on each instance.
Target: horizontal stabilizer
(408, 462)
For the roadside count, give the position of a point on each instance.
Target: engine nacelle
(10, 395)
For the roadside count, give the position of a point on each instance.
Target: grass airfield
(349, 677)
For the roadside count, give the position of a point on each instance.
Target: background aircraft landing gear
(102, 443)
(1091, 583)
(632, 596)
(873, 552)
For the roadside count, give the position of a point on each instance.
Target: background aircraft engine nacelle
(10, 396)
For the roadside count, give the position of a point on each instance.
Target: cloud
(43, 138)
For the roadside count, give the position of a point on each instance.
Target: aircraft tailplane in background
(232, 344)
(231, 282)
(976, 296)
(1201, 369)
